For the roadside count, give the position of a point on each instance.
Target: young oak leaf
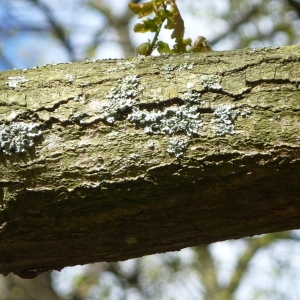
(175, 21)
(144, 49)
(201, 45)
(147, 25)
(142, 10)
(178, 26)
(165, 10)
(145, 9)
(163, 48)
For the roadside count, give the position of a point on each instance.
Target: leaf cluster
(165, 12)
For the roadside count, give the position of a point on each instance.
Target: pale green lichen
(13, 81)
(17, 137)
(190, 85)
(180, 120)
(184, 119)
(150, 144)
(225, 116)
(192, 97)
(177, 146)
(69, 78)
(181, 67)
(245, 113)
(211, 82)
(169, 77)
(168, 121)
(168, 67)
(112, 70)
(185, 66)
(126, 65)
(120, 98)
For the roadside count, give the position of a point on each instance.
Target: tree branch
(115, 159)
(295, 5)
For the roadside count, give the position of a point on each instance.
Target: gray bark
(115, 159)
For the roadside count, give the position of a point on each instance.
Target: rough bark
(90, 184)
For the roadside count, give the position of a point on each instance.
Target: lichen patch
(17, 137)
(13, 81)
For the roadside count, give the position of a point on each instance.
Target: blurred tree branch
(57, 29)
(120, 22)
(295, 5)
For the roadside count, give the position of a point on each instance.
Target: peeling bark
(146, 155)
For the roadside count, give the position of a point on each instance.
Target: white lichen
(150, 144)
(13, 81)
(168, 121)
(185, 66)
(211, 82)
(192, 97)
(169, 67)
(263, 49)
(184, 119)
(12, 116)
(126, 65)
(224, 121)
(245, 113)
(156, 94)
(225, 117)
(190, 85)
(133, 156)
(112, 70)
(17, 137)
(78, 116)
(177, 146)
(85, 84)
(169, 77)
(120, 98)
(79, 97)
(69, 78)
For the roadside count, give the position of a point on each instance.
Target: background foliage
(36, 32)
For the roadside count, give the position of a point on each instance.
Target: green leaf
(143, 9)
(170, 23)
(144, 49)
(163, 48)
(187, 42)
(164, 10)
(178, 27)
(147, 25)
